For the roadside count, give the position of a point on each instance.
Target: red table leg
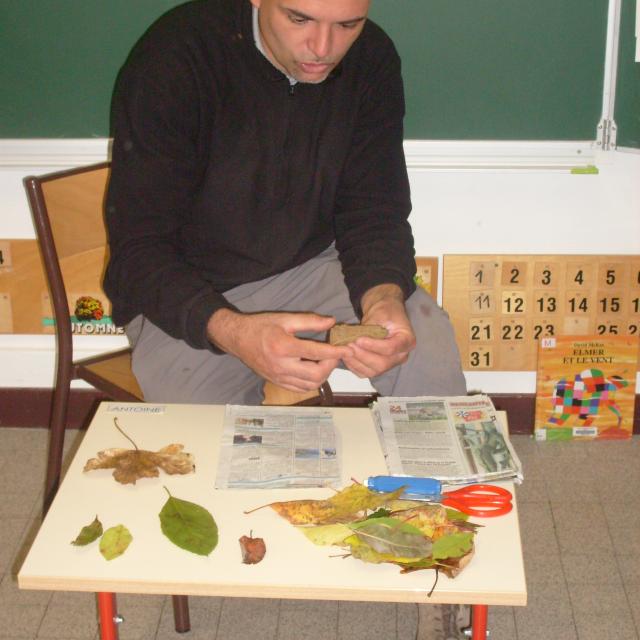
(107, 616)
(479, 621)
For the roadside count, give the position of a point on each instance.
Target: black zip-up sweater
(222, 173)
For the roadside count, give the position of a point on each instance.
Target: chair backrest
(67, 209)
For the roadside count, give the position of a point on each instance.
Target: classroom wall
(474, 197)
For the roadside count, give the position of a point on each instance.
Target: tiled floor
(580, 520)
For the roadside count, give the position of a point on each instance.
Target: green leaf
(454, 545)
(114, 541)
(390, 537)
(380, 513)
(453, 515)
(189, 526)
(88, 533)
(390, 522)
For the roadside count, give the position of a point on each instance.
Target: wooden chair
(67, 208)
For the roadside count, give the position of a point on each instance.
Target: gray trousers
(168, 370)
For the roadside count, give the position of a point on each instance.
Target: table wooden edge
(278, 592)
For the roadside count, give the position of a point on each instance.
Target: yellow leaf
(345, 506)
(327, 534)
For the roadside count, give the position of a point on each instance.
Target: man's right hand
(267, 344)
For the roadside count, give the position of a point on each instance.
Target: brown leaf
(132, 464)
(253, 549)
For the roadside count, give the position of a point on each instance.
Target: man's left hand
(382, 305)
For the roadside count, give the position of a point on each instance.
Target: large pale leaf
(89, 533)
(395, 523)
(115, 541)
(361, 550)
(189, 526)
(393, 538)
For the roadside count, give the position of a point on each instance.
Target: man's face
(306, 39)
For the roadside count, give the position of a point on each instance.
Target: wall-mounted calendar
(502, 305)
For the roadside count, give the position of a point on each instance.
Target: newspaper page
(456, 439)
(267, 447)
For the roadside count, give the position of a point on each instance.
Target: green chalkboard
(627, 110)
(474, 69)
(500, 69)
(60, 59)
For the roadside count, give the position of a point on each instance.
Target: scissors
(480, 500)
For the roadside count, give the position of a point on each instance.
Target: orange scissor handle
(480, 500)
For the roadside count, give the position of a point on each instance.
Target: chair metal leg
(326, 395)
(57, 424)
(181, 613)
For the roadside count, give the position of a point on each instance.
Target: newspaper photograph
(278, 447)
(457, 439)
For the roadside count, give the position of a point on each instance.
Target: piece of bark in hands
(341, 334)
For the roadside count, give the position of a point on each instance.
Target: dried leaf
(189, 526)
(427, 517)
(253, 549)
(451, 567)
(346, 506)
(132, 464)
(114, 541)
(89, 533)
(414, 535)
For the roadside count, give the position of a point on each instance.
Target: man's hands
(382, 305)
(267, 344)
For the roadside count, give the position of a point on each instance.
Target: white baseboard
(54, 153)
(420, 154)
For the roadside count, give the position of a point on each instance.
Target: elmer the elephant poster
(585, 387)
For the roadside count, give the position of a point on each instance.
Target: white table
(153, 565)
